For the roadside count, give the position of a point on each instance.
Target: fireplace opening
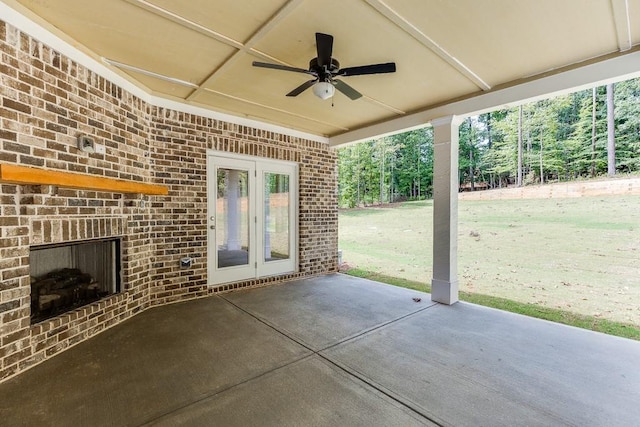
(67, 276)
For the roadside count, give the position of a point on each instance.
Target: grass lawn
(578, 256)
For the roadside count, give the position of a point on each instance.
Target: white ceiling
(199, 52)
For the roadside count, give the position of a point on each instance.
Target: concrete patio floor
(332, 350)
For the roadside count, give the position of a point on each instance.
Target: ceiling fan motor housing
(324, 75)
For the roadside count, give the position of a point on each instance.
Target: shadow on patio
(332, 350)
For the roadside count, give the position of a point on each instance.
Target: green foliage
(471, 148)
(557, 146)
(399, 167)
(627, 99)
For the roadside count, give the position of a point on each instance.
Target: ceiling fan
(324, 68)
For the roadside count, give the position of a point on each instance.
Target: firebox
(67, 276)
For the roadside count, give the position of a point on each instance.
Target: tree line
(585, 134)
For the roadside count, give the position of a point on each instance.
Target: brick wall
(179, 157)
(46, 102)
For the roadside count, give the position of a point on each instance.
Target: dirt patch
(592, 188)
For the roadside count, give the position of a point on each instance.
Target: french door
(251, 217)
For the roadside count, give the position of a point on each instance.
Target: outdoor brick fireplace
(73, 263)
(71, 275)
(46, 102)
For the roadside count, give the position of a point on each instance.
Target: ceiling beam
(383, 105)
(393, 16)
(180, 20)
(279, 110)
(201, 29)
(37, 28)
(609, 69)
(282, 13)
(622, 22)
(241, 48)
(148, 73)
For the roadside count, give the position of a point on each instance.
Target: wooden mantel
(13, 174)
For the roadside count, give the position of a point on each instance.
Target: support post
(444, 286)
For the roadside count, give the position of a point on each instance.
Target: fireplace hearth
(67, 276)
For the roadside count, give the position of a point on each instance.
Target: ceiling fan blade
(324, 44)
(389, 67)
(304, 86)
(281, 67)
(346, 89)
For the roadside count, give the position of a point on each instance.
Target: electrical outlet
(100, 149)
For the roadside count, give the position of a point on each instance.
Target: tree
(487, 134)
(470, 140)
(519, 181)
(627, 105)
(611, 132)
(413, 173)
(563, 138)
(587, 146)
(593, 133)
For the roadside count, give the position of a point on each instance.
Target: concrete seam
(348, 371)
(377, 327)
(206, 397)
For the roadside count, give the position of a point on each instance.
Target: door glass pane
(232, 217)
(276, 216)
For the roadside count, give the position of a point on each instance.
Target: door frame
(234, 272)
(288, 265)
(257, 267)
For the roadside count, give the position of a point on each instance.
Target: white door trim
(257, 266)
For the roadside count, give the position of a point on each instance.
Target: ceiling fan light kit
(324, 68)
(324, 90)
